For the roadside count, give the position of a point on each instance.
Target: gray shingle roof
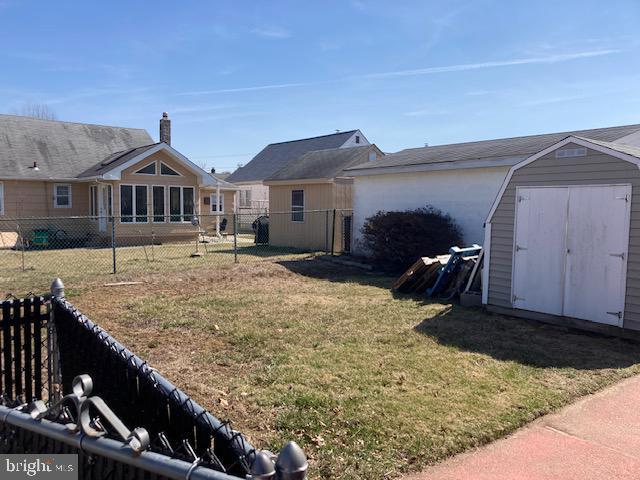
(114, 160)
(276, 155)
(517, 147)
(328, 163)
(61, 149)
(618, 147)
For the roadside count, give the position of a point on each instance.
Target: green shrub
(395, 240)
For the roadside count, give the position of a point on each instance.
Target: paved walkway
(596, 438)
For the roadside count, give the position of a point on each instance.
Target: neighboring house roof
(276, 155)
(328, 163)
(115, 160)
(61, 150)
(511, 150)
(220, 178)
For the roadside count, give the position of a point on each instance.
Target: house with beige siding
(562, 239)
(460, 179)
(311, 198)
(116, 180)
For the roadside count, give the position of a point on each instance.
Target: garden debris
(446, 275)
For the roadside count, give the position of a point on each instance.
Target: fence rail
(175, 437)
(103, 245)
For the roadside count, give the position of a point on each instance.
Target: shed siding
(314, 233)
(594, 169)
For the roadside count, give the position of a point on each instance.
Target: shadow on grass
(334, 272)
(528, 342)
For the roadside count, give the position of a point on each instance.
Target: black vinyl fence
(49, 348)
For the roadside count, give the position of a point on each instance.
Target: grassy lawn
(371, 385)
(81, 265)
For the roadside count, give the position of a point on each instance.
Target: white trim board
(571, 139)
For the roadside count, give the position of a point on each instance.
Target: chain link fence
(85, 247)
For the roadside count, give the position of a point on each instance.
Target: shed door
(538, 271)
(597, 245)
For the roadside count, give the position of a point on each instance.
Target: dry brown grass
(371, 385)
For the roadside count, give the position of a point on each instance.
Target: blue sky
(237, 75)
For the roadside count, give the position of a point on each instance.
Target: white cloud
(246, 89)
(558, 58)
(271, 32)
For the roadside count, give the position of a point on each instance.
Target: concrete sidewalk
(596, 438)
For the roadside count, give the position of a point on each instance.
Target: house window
(1, 198)
(357, 138)
(181, 204)
(133, 204)
(158, 204)
(372, 156)
(214, 202)
(245, 198)
(167, 170)
(110, 200)
(62, 195)
(297, 205)
(93, 200)
(147, 169)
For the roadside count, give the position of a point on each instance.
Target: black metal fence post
(235, 237)
(113, 243)
(326, 230)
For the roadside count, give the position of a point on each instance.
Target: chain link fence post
(333, 233)
(235, 237)
(113, 243)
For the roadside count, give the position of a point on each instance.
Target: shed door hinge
(625, 198)
(518, 248)
(517, 298)
(522, 198)
(619, 255)
(615, 314)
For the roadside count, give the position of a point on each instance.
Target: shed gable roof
(627, 153)
(276, 155)
(60, 149)
(328, 163)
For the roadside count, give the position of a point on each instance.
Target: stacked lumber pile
(445, 275)
(420, 275)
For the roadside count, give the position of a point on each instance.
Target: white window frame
(134, 215)
(153, 203)
(55, 195)
(300, 207)
(220, 208)
(195, 199)
(168, 166)
(1, 198)
(137, 172)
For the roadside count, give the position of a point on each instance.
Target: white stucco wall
(259, 197)
(466, 195)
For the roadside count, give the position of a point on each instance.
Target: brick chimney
(165, 128)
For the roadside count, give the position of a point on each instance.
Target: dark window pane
(166, 170)
(158, 204)
(297, 215)
(141, 203)
(297, 198)
(149, 169)
(110, 200)
(174, 203)
(188, 209)
(126, 203)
